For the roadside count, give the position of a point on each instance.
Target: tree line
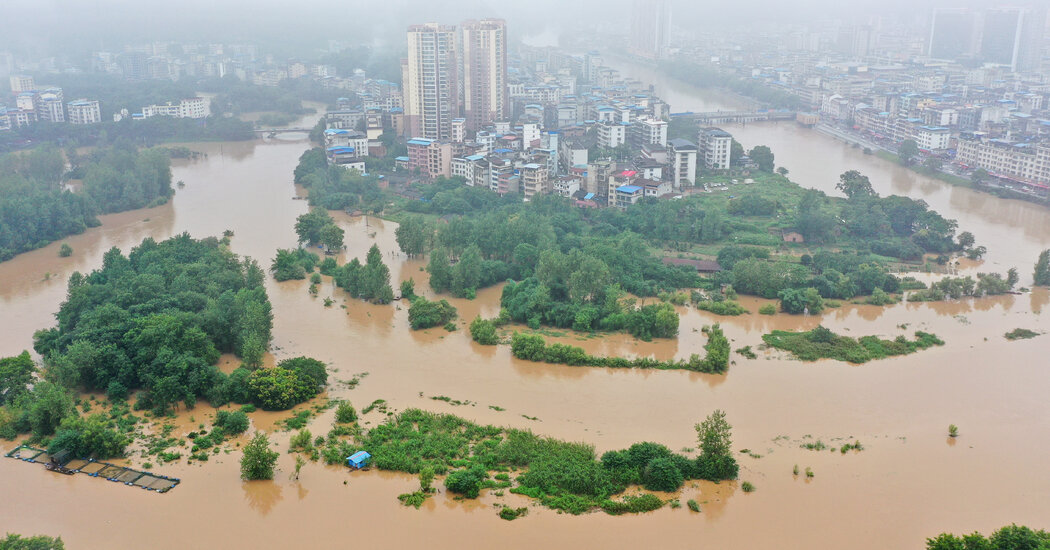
(36, 208)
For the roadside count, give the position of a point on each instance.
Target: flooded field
(910, 482)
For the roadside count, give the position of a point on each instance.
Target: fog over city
(525, 274)
(49, 24)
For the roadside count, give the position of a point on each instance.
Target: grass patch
(633, 504)
(746, 352)
(726, 307)
(821, 343)
(378, 404)
(855, 446)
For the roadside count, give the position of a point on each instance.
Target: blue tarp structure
(358, 459)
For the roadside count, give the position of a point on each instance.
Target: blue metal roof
(628, 189)
(420, 141)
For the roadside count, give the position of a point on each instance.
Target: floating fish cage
(111, 472)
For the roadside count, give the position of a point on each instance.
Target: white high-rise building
(484, 52)
(429, 75)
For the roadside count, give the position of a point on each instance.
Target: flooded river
(909, 483)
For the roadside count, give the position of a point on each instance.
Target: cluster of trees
(39, 542)
(894, 226)
(293, 264)
(534, 303)
(445, 196)
(1011, 537)
(48, 409)
(92, 436)
(286, 385)
(468, 274)
(825, 275)
(236, 96)
(570, 272)
(36, 208)
(710, 77)
(318, 228)
(141, 132)
(954, 288)
(486, 331)
(369, 281)
(336, 188)
(158, 319)
(426, 314)
(532, 347)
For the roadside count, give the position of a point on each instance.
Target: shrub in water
(345, 413)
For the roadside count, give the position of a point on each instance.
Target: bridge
(275, 131)
(728, 117)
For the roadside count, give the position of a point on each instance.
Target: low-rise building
(625, 196)
(534, 179)
(194, 107)
(83, 111)
(430, 158)
(1026, 162)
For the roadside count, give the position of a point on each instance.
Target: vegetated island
(563, 476)
(1021, 334)
(152, 323)
(821, 343)
(532, 347)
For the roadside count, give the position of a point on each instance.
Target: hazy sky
(46, 25)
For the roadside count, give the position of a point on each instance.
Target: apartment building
(83, 111)
(715, 147)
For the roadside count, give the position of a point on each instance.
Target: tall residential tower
(430, 78)
(651, 28)
(484, 53)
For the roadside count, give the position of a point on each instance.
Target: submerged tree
(716, 461)
(1042, 269)
(258, 459)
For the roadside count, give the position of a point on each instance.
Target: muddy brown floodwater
(909, 482)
